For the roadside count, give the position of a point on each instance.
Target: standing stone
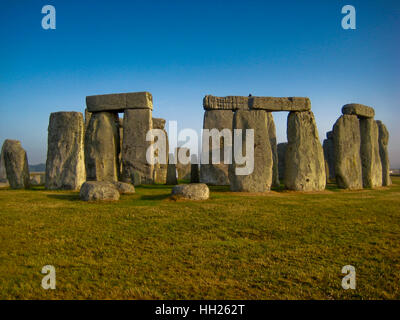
(3, 173)
(305, 163)
(347, 142)
(281, 147)
(384, 154)
(329, 153)
(183, 169)
(370, 158)
(194, 170)
(137, 122)
(16, 163)
(272, 140)
(171, 171)
(217, 174)
(102, 144)
(160, 169)
(87, 118)
(260, 179)
(65, 165)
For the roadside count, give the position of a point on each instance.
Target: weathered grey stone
(347, 142)
(124, 188)
(65, 165)
(370, 158)
(171, 170)
(4, 184)
(193, 191)
(217, 174)
(160, 169)
(16, 163)
(261, 178)
(137, 122)
(118, 102)
(37, 178)
(280, 104)
(384, 154)
(87, 118)
(305, 163)
(183, 169)
(194, 170)
(263, 103)
(272, 140)
(329, 154)
(3, 173)
(359, 110)
(102, 147)
(281, 148)
(99, 190)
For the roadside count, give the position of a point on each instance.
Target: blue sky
(182, 50)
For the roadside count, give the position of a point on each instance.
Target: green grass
(279, 245)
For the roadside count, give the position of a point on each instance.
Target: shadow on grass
(67, 197)
(156, 197)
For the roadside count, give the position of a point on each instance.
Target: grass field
(279, 245)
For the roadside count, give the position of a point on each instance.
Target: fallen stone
(347, 143)
(102, 147)
(305, 163)
(261, 178)
(137, 122)
(359, 110)
(118, 102)
(65, 165)
(217, 174)
(370, 158)
(37, 179)
(384, 154)
(124, 188)
(16, 164)
(99, 190)
(193, 191)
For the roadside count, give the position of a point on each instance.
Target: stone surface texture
(16, 164)
(118, 102)
(384, 154)
(359, 110)
(99, 191)
(193, 191)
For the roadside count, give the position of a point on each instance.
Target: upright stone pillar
(171, 171)
(160, 169)
(3, 173)
(16, 163)
(194, 170)
(260, 179)
(272, 139)
(137, 122)
(281, 147)
(370, 158)
(65, 165)
(384, 154)
(305, 163)
(217, 121)
(329, 153)
(347, 143)
(102, 144)
(183, 169)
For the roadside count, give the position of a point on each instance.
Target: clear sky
(182, 50)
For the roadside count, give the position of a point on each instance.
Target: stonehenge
(16, 164)
(103, 155)
(65, 165)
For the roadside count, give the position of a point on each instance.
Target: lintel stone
(359, 110)
(118, 102)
